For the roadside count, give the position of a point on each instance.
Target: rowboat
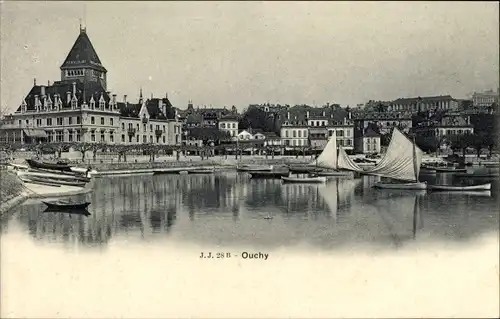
(64, 205)
(336, 173)
(36, 173)
(201, 171)
(44, 183)
(267, 174)
(44, 165)
(449, 169)
(481, 187)
(251, 168)
(304, 169)
(473, 175)
(54, 182)
(411, 185)
(310, 179)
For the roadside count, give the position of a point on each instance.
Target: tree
(478, 142)
(82, 147)
(428, 143)
(256, 118)
(461, 142)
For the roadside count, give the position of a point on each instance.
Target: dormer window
(92, 102)
(74, 103)
(102, 103)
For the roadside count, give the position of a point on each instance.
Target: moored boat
(52, 176)
(268, 174)
(209, 170)
(64, 205)
(44, 165)
(480, 187)
(411, 185)
(449, 169)
(307, 179)
(335, 173)
(251, 168)
(54, 181)
(474, 175)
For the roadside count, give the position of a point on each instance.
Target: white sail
(401, 161)
(328, 158)
(344, 162)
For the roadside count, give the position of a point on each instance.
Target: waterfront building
(299, 122)
(79, 108)
(385, 121)
(368, 142)
(485, 99)
(440, 125)
(229, 123)
(428, 103)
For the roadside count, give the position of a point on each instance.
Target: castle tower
(83, 63)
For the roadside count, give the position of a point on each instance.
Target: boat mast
(415, 168)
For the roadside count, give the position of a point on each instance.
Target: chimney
(349, 115)
(114, 99)
(166, 95)
(323, 112)
(68, 97)
(307, 114)
(37, 102)
(125, 98)
(48, 82)
(42, 91)
(288, 115)
(74, 88)
(34, 81)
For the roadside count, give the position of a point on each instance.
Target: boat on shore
(65, 205)
(59, 166)
(36, 179)
(52, 176)
(305, 179)
(208, 170)
(268, 174)
(480, 187)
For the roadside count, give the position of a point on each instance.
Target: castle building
(79, 108)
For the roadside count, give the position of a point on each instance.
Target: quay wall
(12, 191)
(217, 162)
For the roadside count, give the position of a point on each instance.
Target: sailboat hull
(336, 173)
(482, 187)
(315, 180)
(412, 185)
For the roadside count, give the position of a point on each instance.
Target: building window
(164, 128)
(70, 120)
(78, 120)
(137, 138)
(150, 138)
(111, 121)
(111, 137)
(123, 138)
(144, 128)
(138, 127)
(102, 136)
(92, 120)
(78, 136)
(102, 120)
(151, 127)
(92, 136)
(70, 136)
(163, 139)
(123, 126)
(73, 103)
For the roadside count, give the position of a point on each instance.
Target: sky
(238, 53)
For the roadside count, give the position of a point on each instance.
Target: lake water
(324, 251)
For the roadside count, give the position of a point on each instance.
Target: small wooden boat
(252, 168)
(411, 185)
(201, 171)
(467, 193)
(44, 165)
(63, 205)
(309, 179)
(267, 174)
(56, 182)
(474, 175)
(38, 173)
(449, 169)
(304, 169)
(335, 173)
(30, 181)
(481, 187)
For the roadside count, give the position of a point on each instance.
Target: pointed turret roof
(83, 54)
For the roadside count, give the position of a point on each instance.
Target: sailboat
(400, 163)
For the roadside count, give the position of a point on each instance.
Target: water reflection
(229, 209)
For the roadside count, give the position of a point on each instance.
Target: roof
(229, 117)
(193, 118)
(154, 111)
(83, 54)
(370, 133)
(422, 99)
(270, 135)
(84, 92)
